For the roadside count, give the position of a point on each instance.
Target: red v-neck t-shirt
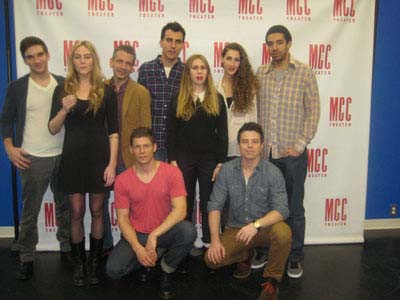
(148, 203)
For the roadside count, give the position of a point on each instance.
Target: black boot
(66, 259)
(79, 257)
(96, 249)
(167, 286)
(24, 270)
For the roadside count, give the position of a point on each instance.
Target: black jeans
(200, 169)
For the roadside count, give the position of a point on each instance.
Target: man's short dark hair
(141, 132)
(279, 29)
(126, 48)
(30, 41)
(251, 126)
(175, 27)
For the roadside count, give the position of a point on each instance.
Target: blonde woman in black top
(197, 134)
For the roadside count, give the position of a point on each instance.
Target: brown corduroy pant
(278, 237)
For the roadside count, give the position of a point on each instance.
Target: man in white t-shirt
(33, 150)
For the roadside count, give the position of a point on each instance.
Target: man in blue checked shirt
(162, 77)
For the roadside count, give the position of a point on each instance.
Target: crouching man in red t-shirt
(150, 200)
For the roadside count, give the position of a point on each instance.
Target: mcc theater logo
(49, 8)
(201, 9)
(218, 47)
(298, 10)
(340, 111)
(100, 8)
(250, 10)
(113, 217)
(265, 56)
(67, 48)
(50, 221)
(319, 58)
(151, 9)
(317, 162)
(336, 212)
(344, 11)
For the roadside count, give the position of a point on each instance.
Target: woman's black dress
(86, 150)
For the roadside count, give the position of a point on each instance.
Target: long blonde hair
(71, 84)
(185, 108)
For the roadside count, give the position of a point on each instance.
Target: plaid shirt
(162, 90)
(288, 109)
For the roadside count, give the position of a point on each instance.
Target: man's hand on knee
(216, 252)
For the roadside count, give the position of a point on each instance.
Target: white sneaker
(294, 269)
(259, 259)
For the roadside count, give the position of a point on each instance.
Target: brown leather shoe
(243, 270)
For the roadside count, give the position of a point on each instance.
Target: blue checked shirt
(288, 109)
(162, 90)
(265, 191)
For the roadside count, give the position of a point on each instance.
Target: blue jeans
(178, 241)
(294, 170)
(108, 241)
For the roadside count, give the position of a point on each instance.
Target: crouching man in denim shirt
(257, 209)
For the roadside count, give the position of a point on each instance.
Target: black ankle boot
(24, 270)
(167, 286)
(79, 257)
(96, 248)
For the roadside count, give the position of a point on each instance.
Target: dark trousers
(200, 169)
(35, 181)
(294, 170)
(176, 242)
(108, 241)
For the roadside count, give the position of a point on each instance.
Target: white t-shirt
(167, 70)
(37, 139)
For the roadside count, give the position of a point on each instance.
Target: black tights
(78, 208)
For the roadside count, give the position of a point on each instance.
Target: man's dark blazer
(14, 109)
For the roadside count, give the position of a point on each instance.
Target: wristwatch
(257, 225)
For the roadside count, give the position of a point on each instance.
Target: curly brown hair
(245, 83)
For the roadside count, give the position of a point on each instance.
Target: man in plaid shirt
(162, 77)
(288, 110)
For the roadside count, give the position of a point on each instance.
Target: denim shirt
(265, 191)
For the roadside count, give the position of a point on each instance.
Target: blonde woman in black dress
(88, 110)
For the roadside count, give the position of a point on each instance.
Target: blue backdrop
(6, 211)
(383, 187)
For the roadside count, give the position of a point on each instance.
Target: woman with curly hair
(238, 87)
(197, 134)
(87, 108)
